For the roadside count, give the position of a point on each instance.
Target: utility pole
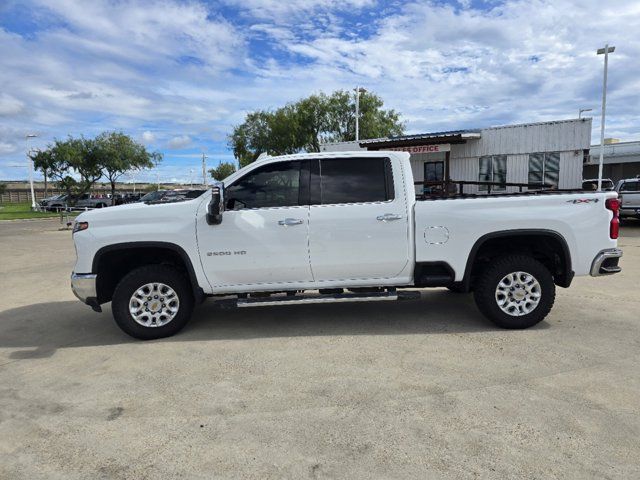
(358, 90)
(30, 162)
(606, 51)
(204, 170)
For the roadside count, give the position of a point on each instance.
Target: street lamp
(603, 51)
(191, 172)
(30, 162)
(358, 91)
(583, 110)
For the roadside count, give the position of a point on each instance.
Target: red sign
(435, 148)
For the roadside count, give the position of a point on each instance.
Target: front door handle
(287, 222)
(388, 217)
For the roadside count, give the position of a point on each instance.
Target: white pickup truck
(338, 227)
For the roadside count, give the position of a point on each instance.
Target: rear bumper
(606, 262)
(83, 286)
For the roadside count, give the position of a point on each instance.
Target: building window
(493, 168)
(544, 168)
(434, 171)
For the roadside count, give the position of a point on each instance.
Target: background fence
(15, 195)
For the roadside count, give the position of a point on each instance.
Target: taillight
(613, 204)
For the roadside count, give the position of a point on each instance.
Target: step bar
(317, 298)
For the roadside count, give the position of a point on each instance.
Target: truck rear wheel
(154, 301)
(515, 292)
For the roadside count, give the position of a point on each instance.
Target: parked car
(86, 200)
(591, 184)
(124, 198)
(51, 203)
(90, 201)
(629, 191)
(172, 195)
(338, 227)
(132, 197)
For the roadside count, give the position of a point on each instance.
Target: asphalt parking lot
(421, 389)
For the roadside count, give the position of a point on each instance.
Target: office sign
(435, 148)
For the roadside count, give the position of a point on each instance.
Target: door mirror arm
(216, 205)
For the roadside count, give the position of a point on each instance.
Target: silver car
(629, 194)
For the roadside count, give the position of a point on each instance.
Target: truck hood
(141, 213)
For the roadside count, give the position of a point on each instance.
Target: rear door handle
(388, 217)
(287, 222)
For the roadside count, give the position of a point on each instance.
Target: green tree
(76, 164)
(222, 171)
(118, 153)
(309, 122)
(67, 160)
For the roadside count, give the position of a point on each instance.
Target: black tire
(135, 279)
(488, 281)
(101, 205)
(457, 288)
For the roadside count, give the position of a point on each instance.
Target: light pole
(132, 176)
(582, 110)
(191, 172)
(606, 51)
(358, 90)
(204, 170)
(30, 162)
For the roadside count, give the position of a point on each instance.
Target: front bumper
(606, 262)
(83, 286)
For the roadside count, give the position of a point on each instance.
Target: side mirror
(216, 205)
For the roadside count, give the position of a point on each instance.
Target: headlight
(78, 226)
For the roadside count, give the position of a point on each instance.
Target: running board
(318, 298)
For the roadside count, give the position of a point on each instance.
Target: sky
(178, 75)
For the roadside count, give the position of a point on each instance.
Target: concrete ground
(423, 389)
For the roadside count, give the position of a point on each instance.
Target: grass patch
(15, 211)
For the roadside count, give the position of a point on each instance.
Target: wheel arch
(112, 262)
(523, 239)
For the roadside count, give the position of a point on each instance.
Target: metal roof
(452, 136)
(425, 136)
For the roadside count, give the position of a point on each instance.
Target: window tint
(630, 187)
(274, 185)
(356, 180)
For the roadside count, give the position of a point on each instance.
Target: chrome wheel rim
(518, 293)
(154, 305)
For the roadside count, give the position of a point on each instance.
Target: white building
(532, 153)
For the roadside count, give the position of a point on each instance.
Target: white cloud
(7, 148)
(148, 137)
(10, 105)
(179, 142)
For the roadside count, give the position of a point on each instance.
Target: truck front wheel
(154, 301)
(516, 291)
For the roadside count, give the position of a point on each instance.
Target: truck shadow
(39, 330)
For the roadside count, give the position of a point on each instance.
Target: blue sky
(177, 75)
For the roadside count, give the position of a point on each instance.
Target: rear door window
(355, 180)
